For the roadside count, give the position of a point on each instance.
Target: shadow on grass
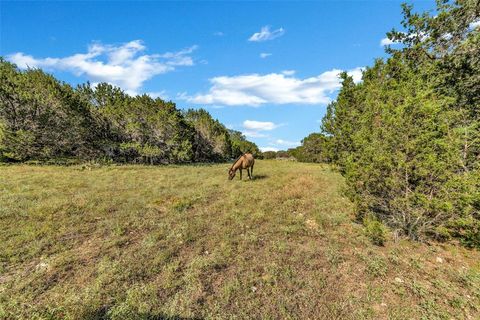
(102, 314)
(255, 177)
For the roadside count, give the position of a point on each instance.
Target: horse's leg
(248, 172)
(251, 171)
(240, 174)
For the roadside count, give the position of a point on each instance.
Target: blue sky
(267, 69)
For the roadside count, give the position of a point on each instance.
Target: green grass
(183, 242)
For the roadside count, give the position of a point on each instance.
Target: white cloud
(386, 42)
(423, 36)
(265, 149)
(474, 25)
(265, 34)
(253, 128)
(287, 143)
(180, 58)
(264, 55)
(356, 74)
(259, 125)
(158, 94)
(123, 65)
(275, 88)
(447, 36)
(288, 72)
(254, 134)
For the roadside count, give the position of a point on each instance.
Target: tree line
(407, 138)
(44, 119)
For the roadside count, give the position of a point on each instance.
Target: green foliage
(407, 138)
(283, 154)
(375, 230)
(468, 230)
(42, 119)
(376, 266)
(140, 129)
(241, 145)
(269, 155)
(2, 137)
(211, 139)
(314, 148)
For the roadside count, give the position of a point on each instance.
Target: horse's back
(249, 160)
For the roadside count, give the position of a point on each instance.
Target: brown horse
(245, 161)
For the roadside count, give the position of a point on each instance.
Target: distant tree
(211, 139)
(283, 154)
(241, 145)
(146, 130)
(42, 118)
(269, 155)
(314, 148)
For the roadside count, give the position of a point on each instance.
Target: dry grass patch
(183, 242)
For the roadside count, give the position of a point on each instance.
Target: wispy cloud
(264, 55)
(256, 129)
(474, 25)
(286, 143)
(274, 88)
(254, 134)
(265, 34)
(356, 74)
(179, 58)
(386, 42)
(288, 72)
(218, 33)
(159, 94)
(259, 125)
(265, 149)
(280, 144)
(421, 36)
(123, 65)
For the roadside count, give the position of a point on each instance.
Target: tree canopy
(407, 138)
(44, 119)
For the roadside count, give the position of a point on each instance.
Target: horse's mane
(237, 160)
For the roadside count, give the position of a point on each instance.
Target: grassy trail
(183, 242)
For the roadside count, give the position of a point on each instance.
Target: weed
(376, 266)
(375, 230)
(183, 242)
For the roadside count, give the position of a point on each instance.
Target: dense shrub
(240, 145)
(314, 148)
(375, 230)
(407, 138)
(211, 139)
(269, 155)
(42, 119)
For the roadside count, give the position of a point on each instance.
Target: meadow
(183, 242)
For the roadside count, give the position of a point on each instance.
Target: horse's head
(231, 174)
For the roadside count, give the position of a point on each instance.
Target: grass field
(183, 242)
